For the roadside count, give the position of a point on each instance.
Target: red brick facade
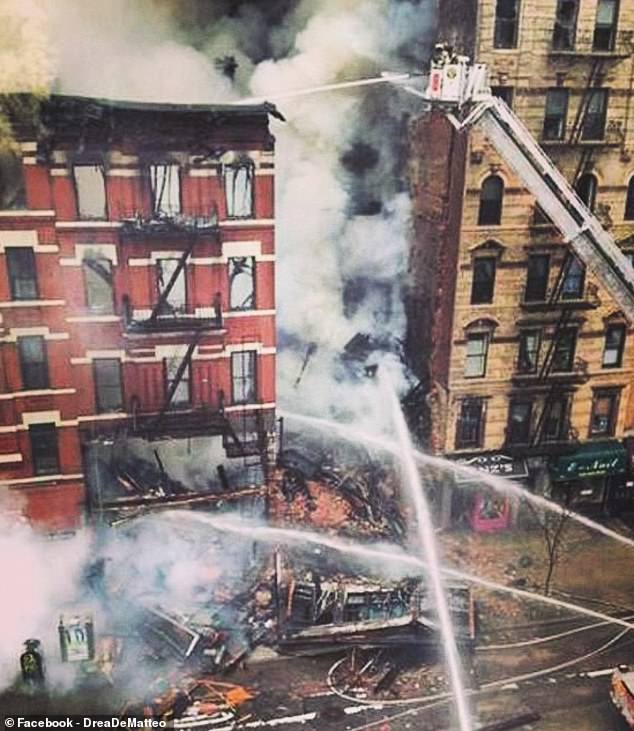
(203, 147)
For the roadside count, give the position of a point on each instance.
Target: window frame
(483, 289)
(573, 333)
(561, 120)
(17, 251)
(504, 92)
(502, 24)
(628, 213)
(42, 381)
(176, 307)
(587, 126)
(252, 303)
(482, 357)
(241, 378)
(530, 286)
(98, 308)
(490, 210)
(512, 438)
(562, 27)
(478, 441)
(520, 350)
(99, 405)
(588, 197)
(186, 380)
(103, 215)
(620, 350)
(235, 167)
(615, 397)
(560, 434)
(611, 30)
(578, 277)
(156, 203)
(37, 434)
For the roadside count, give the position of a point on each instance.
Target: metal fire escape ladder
(158, 307)
(595, 79)
(579, 227)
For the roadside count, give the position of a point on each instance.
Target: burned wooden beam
(168, 501)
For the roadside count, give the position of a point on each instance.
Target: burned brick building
(137, 302)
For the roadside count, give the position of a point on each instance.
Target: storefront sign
(514, 468)
(591, 460)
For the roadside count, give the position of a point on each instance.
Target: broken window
(586, 188)
(90, 185)
(564, 350)
(555, 422)
(176, 300)
(491, 195)
(555, 114)
(44, 452)
(565, 25)
(518, 429)
(614, 345)
(629, 201)
(238, 180)
(476, 360)
(242, 283)
(243, 381)
(537, 273)
(483, 282)
(12, 192)
(33, 364)
(528, 357)
(596, 111)
(506, 22)
(165, 189)
(181, 394)
(22, 273)
(605, 25)
(108, 393)
(470, 425)
(98, 284)
(574, 280)
(605, 406)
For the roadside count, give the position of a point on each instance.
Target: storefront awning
(591, 460)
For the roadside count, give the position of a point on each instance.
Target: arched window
(629, 201)
(586, 188)
(491, 196)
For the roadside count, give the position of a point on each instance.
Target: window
(44, 453)
(243, 382)
(242, 283)
(176, 301)
(98, 284)
(594, 120)
(586, 188)
(108, 394)
(182, 394)
(565, 25)
(614, 345)
(12, 192)
(90, 186)
(605, 25)
(33, 365)
(491, 195)
(564, 350)
(165, 189)
(239, 189)
(574, 279)
(629, 201)
(470, 425)
(476, 361)
(555, 421)
(505, 93)
(555, 114)
(605, 407)
(537, 278)
(528, 356)
(506, 22)
(518, 430)
(22, 273)
(483, 281)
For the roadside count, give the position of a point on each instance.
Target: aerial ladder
(461, 90)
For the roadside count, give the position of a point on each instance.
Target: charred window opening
(22, 273)
(12, 191)
(182, 395)
(108, 393)
(98, 284)
(476, 360)
(518, 429)
(506, 23)
(564, 350)
(491, 196)
(574, 280)
(242, 283)
(243, 380)
(165, 189)
(614, 346)
(555, 114)
(44, 451)
(586, 188)
(483, 282)
(238, 181)
(537, 274)
(565, 25)
(33, 363)
(605, 25)
(176, 301)
(596, 112)
(605, 407)
(555, 426)
(528, 357)
(470, 426)
(90, 186)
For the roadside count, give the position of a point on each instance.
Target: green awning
(591, 460)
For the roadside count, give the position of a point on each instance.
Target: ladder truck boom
(461, 90)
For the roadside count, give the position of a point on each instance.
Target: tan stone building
(526, 360)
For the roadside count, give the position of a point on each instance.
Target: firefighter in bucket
(32, 666)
